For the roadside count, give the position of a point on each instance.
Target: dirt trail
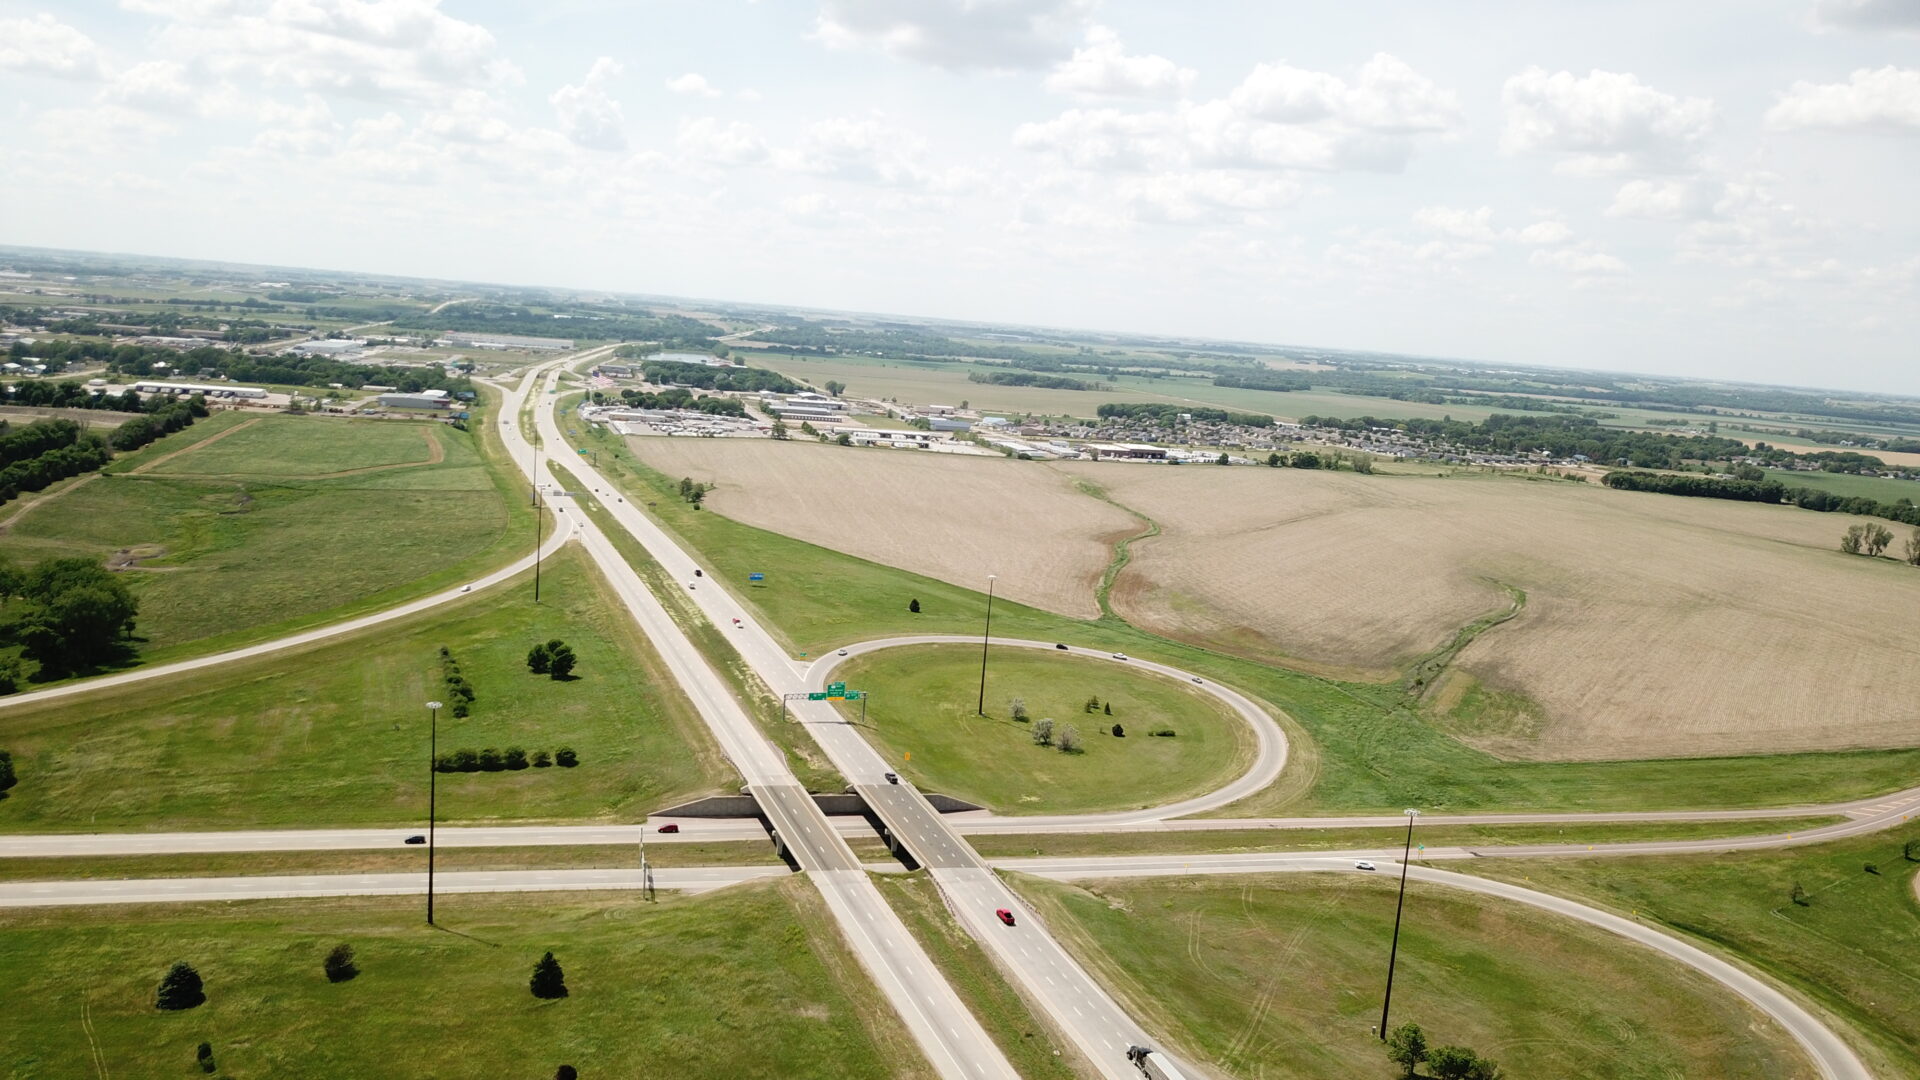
(153, 463)
(45, 496)
(436, 454)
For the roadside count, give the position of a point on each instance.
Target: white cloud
(473, 117)
(43, 45)
(692, 84)
(1189, 197)
(960, 35)
(153, 84)
(1668, 200)
(706, 138)
(1460, 224)
(1102, 68)
(382, 49)
(1870, 14)
(1279, 117)
(861, 149)
(1607, 122)
(1579, 261)
(1747, 225)
(587, 113)
(1885, 100)
(1544, 233)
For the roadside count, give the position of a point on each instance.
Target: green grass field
(1244, 972)
(923, 704)
(1853, 948)
(241, 536)
(396, 859)
(337, 735)
(1354, 746)
(1882, 488)
(751, 981)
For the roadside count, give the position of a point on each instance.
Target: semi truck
(1152, 1065)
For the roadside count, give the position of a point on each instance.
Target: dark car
(1059, 646)
(893, 778)
(1005, 916)
(416, 838)
(671, 826)
(697, 573)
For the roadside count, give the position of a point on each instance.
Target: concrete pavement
(265, 887)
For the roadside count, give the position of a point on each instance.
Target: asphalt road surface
(264, 887)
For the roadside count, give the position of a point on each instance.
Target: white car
(843, 652)
(1119, 656)
(1364, 865)
(466, 588)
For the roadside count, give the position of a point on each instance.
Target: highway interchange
(954, 1041)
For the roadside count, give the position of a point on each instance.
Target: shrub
(466, 761)
(538, 660)
(1119, 732)
(914, 606)
(460, 709)
(1043, 732)
(1799, 895)
(1093, 704)
(516, 758)
(560, 659)
(565, 757)
(1162, 733)
(490, 760)
(1108, 707)
(204, 1055)
(1018, 709)
(548, 980)
(181, 989)
(1069, 739)
(7, 778)
(566, 1072)
(542, 759)
(339, 964)
(9, 676)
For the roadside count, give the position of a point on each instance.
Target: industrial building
(332, 347)
(425, 399)
(503, 341)
(1126, 451)
(151, 387)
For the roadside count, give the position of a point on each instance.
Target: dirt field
(952, 518)
(1653, 626)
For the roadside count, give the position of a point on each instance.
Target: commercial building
(503, 341)
(152, 387)
(1127, 451)
(333, 347)
(426, 399)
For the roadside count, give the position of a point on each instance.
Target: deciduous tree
(1407, 1048)
(1043, 732)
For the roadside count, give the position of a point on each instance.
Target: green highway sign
(837, 689)
(817, 696)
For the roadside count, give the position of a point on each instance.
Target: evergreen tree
(204, 1055)
(548, 980)
(539, 661)
(181, 989)
(914, 605)
(339, 964)
(560, 659)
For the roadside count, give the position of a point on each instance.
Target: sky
(1718, 188)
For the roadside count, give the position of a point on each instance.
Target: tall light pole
(1394, 953)
(433, 788)
(538, 524)
(984, 634)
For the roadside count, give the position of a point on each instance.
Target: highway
(952, 1038)
(1830, 1054)
(267, 887)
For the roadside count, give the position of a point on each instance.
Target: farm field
(955, 520)
(240, 523)
(1240, 971)
(1355, 746)
(1853, 947)
(748, 981)
(337, 734)
(924, 701)
(1883, 488)
(1653, 626)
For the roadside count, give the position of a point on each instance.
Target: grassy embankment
(1853, 948)
(1245, 971)
(1355, 746)
(1478, 837)
(923, 703)
(1035, 1050)
(751, 981)
(336, 734)
(247, 527)
(397, 859)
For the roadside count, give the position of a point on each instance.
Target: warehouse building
(425, 399)
(151, 387)
(503, 341)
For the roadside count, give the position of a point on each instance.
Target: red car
(1005, 916)
(671, 826)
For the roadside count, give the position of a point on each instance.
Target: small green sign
(838, 688)
(817, 696)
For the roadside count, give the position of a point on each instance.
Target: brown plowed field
(1654, 625)
(954, 518)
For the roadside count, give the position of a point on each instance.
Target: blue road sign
(756, 577)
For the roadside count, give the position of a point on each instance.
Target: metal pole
(981, 709)
(1394, 953)
(433, 789)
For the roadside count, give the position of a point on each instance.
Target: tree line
(739, 380)
(1028, 378)
(67, 615)
(1171, 414)
(1772, 492)
(675, 398)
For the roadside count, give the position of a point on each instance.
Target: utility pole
(1394, 954)
(538, 524)
(981, 709)
(433, 787)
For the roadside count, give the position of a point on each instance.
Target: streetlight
(982, 708)
(433, 786)
(1394, 953)
(538, 524)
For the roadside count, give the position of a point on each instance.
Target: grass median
(384, 861)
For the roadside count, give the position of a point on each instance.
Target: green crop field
(923, 704)
(750, 981)
(337, 734)
(1881, 488)
(240, 527)
(1853, 946)
(1354, 746)
(1247, 971)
